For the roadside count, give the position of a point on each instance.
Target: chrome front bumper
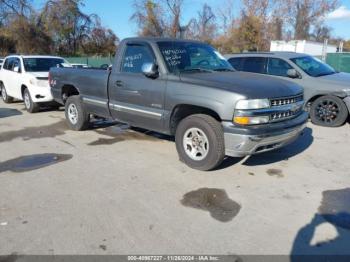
(238, 145)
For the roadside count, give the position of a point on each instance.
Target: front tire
(77, 118)
(5, 97)
(30, 106)
(200, 142)
(329, 111)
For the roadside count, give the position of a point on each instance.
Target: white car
(26, 78)
(80, 66)
(1, 62)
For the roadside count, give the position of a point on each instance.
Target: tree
(67, 25)
(204, 28)
(302, 15)
(10, 8)
(225, 16)
(159, 18)
(175, 29)
(29, 38)
(253, 31)
(59, 28)
(249, 34)
(347, 46)
(9, 11)
(320, 33)
(149, 17)
(101, 41)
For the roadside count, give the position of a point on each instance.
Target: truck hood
(339, 79)
(39, 74)
(250, 85)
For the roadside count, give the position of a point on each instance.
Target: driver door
(135, 98)
(16, 78)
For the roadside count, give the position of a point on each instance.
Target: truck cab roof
(159, 39)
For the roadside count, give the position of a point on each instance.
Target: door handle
(119, 83)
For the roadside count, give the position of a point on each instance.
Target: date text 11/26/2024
(173, 258)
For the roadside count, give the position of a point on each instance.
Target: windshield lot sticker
(173, 56)
(130, 60)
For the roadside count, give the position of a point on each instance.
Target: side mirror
(292, 73)
(16, 69)
(150, 70)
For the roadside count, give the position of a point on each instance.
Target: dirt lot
(111, 190)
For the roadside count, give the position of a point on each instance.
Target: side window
(278, 67)
(135, 57)
(255, 65)
(16, 63)
(7, 63)
(236, 63)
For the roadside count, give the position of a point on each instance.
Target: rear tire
(30, 106)
(77, 118)
(200, 142)
(6, 98)
(329, 111)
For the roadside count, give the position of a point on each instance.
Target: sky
(116, 14)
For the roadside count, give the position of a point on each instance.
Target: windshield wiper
(224, 70)
(202, 70)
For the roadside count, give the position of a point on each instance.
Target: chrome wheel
(27, 100)
(73, 114)
(327, 111)
(196, 144)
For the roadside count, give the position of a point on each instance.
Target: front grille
(284, 115)
(286, 100)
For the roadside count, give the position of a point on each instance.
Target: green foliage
(59, 28)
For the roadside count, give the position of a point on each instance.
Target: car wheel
(77, 118)
(30, 106)
(200, 142)
(329, 111)
(6, 98)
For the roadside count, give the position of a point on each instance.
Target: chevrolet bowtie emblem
(295, 108)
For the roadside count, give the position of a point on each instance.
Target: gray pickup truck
(189, 90)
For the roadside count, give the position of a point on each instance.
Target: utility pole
(324, 50)
(341, 46)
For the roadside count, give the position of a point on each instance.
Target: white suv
(26, 78)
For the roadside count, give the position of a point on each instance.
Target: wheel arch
(341, 95)
(68, 90)
(23, 87)
(182, 111)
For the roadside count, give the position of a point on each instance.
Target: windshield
(192, 57)
(42, 64)
(313, 66)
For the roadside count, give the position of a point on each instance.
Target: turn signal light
(251, 120)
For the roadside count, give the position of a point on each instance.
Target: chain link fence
(91, 61)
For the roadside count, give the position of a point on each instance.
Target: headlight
(38, 82)
(347, 91)
(33, 81)
(251, 120)
(253, 104)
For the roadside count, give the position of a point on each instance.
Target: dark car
(188, 90)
